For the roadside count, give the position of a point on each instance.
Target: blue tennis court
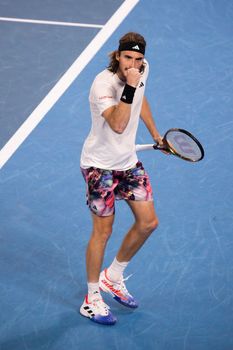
(183, 276)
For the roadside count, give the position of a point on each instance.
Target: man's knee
(154, 224)
(149, 226)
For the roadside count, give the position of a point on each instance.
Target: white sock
(93, 290)
(116, 269)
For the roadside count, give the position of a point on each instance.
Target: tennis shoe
(118, 290)
(97, 311)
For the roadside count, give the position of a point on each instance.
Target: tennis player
(112, 171)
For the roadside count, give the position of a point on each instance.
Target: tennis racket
(180, 143)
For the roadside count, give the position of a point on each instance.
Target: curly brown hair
(129, 37)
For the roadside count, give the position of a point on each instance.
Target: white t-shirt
(104, 148)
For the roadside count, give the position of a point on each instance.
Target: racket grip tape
(144, 147)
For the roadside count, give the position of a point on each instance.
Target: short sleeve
(103, 96)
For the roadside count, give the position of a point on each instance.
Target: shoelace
(100, 306)
(121, 285)
(126, 279)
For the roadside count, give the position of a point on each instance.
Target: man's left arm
(148, 120)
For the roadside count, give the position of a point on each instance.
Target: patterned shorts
(104, 186)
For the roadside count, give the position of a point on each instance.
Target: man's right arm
(118, 116)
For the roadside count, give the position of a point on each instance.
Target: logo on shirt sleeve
(105, 97)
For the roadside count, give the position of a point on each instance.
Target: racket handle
(145, 147)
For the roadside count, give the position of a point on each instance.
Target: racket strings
(184, 145)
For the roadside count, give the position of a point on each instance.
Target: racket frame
(168, 148)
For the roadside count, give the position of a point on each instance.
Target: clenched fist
(133, 77)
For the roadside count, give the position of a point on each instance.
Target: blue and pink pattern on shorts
(104, 186)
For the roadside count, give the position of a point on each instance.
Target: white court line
(54, 23)
(66, 80)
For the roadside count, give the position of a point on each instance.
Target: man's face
(127, 60)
